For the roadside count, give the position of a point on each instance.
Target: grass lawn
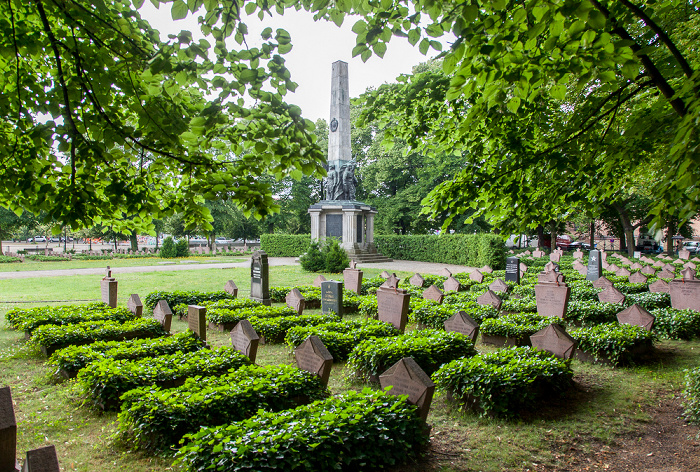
(115, 263)
(603, 403)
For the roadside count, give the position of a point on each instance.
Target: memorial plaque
(648, 270)
(445, 272)
(231, 288)
(485, 270)
(513, 269)
(602, 282)
(489, 298)
(392, 306)
(334, 226)
(43, 459)
(417, 280)
(163, 314)
(659, 287)
(498, 285)
(451, 284)
(407, 378)
(462, 323)
(8, 432)
(684, 254)
(552, 299)
(134, 305)
(665, 274)
(578, 254)
(260, 278)
(108, 287)
(296, 301)
(332, 297)
(537, 253)
(637, 254)
(318, 281)
(197, 320)
(554, 257)
(622, 272)
(391, 281)
(476, 276)
(637, 316)
(556, 340)
(433, 293)
(611, 295)
(595, 265)
(245, 340)
(312, 356)
(685, 294)
(637, 278)
(352, 278)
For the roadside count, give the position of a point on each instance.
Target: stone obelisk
(339, 136)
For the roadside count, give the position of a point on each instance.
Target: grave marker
(197, 320)
(485, 270)
(407, 378)
(498, 285)
(551, 296)
(231, 288)
(134, 305)
(445, 272)
(260, 278)
(690, 264)
(537, 253)
(417, 280)
(245, 340)
(613, 268)
(462, 323)
(392, 306)
(658, 263)
(489, 298)
(685, 292)
(602, 282)
(312, 356)
(659, 286)
(352, 278)
(163, 314)
(384, 274)
(8, 432)
(556, 340)
(684, 254)
(637, 254)
(637, 278)
(611, 295)
(554, 257)
(669, 267)
(391, 281)
(636, 266)
(513, 270)
(108, 286)
(595, 265)
(296, 301)
(578, 254)
(451, 284)
(622, 272)
(43, 459)
(665, 274)
(637, 316)
(433, 293)
(318, 281)
(332, 297)
(648, 270)
(476, 276)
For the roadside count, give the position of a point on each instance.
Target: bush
(168, 250)
(182, 248)
(520, 326)
(429, 348)
(355, 431)
(180, 297)
(275, 329)
(335, 258)
(154, 417)
(503, 382)
(612, 340)
(592, 312)
(31, 318)
(226, 315)
(313, 260)
(9, 259)
(692, 395)
(676, 324)
(284, 245)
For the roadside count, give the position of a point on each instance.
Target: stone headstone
(433, 293)
(578, 265)
(685, 292)
(108, 287)
(245, 340)
(8, 432)
(622, 272)
(605, 265)
(318, 281)
(669, 267)
(407, 378)
(134, 305)
(659, 286)
(392, 306)
(352, 264)
(527, 252)
(602, 282)
(688, 274)
(636, 266)
(550, 277)
(611, 295)
(637, 316)
(352, 278)
(485, 270)
(613, 268)
(684, 254)
(231, 288)
(554, 257)
(462, 323)
(451, 284)
(197, 320)
(595, 265)
(578, 254)
(417, 280)
(489, 298)
(296, 301)
(498, 285)
(312, 356)
(391, 281)
(513, 270)
(552, 299)
(637, 254)
(384, 274)
(476, 276)
(537, 253)
(659, 263)
(637, 278)
(690, 265)
(551, 266)
(554, 339)
(648, 270)
(332, 297)
(583, 271)
(43, 459)
(445, 272)
(260, 278)
(163, 314)
(665, 274)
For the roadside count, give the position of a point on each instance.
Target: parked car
(54, 239)
(578, 245)
(30, 240)
(222, 240)
(692, 246)
(39, 239)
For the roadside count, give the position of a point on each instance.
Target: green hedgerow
(692, 395)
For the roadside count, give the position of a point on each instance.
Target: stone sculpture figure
(341, 183)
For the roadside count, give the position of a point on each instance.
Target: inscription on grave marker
(407, 378)
(245, 340)
(197, 320)
(462, 323)
(513, 270)
(312, 356)
(332, 297)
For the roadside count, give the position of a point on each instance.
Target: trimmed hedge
(676, 324)
(31, 318)
(613, 341)
(275, 329)
(432, 315)
(522, 325)
(156, 418)
(355, 431)
(178, 297)
(285, 245)
(225, 304)
(475, 250)
(503, 382)
(225, 315)
(692, 396)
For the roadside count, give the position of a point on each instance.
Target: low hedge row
(676, 324)
(612, 342)
(31, 318)
(275, 329)
(70, 360)
(649, 300)
(340, 337)
(229, 304)
(180, 297)
(157, 418)
(285, 245)
(692, 395)
(429, 348)
(503, 382)
(519, 305)
(519, 325)
(104, 382)
(225, 315)
(588, 312)
(432, 315)
(355, 431)
(51, 337)
(313, 294)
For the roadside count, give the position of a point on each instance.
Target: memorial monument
(339, 215)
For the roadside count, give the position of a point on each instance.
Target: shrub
(649, 300)
(335, 258)
(224, 304)
(520, 326)
(168, 250)
(375, 430)
(692, 395)
(676, 324)
(31, 318)
(313, 260)
(592, 312)
(611, 340)
(275, 329)
(179, 297)
(9, 259)
(503, 382)
(284, 245)
(182, 248)
(154, 417)
(434, 316)
(429, 348)
(225, 315)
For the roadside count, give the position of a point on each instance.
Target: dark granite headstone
(231, 288)
(260, 278)
(312, 356)
(392, 306)
(43, 459)
(498, 285)
(476, 276)
(637, 278)
(163, 314)
(611, 295)
(334, 226)
(8, 432)
(451, 284)
(637, 316)
(296, 301)
(433, 293)
(197, 320)
(417, 280)
(595, 265)
(134, 305)
(513, 270)
(659, 286)
(462, 323)
(489, 298)
(108, 287)
(556, 340)
(245, 340)
(352, 278)
(407, 378)
(332, 297)
(318, 281)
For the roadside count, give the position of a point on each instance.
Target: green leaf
(179, 10)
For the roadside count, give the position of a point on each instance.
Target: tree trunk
(627, 228)
(591, 239)
(133, 238)
(553, 236)
(671, 230)
(157, 237)
(540, 236)
(1, 253)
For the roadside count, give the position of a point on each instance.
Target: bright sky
(316, 46)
